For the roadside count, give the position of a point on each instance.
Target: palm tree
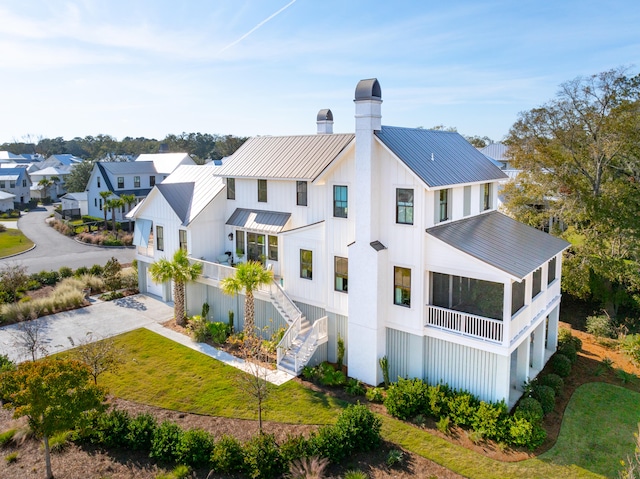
(128, 200)
(105, 195)
(45, 183)
(180, 271)
(113, 204)
(249, 276)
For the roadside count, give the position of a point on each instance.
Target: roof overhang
(258, 220)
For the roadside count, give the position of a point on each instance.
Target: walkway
(109, 318)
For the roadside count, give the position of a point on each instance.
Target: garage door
(153, 288)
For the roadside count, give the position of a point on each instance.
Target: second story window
(160, 238)
(517, 296)
(12, 183)
(301, 193)
(341, 274)
(536, 285)
(231, 188)
(306, 264)
(551, 270)
(340, 201)
(120, 181)
(443, 205)
(401, 286)
(24, 183)
(152, 181)
(182, 238)
(98, 182)
(136, 182)
(486, 196)
(262, 191)
(3, 184)
(404, 206)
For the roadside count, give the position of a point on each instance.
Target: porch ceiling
(501, 242)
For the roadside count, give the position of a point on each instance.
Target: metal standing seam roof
(259, 220)
(500, 241)
(129, 167)
(302, 157)
(179, 196)
(8, 174)
(439, 158)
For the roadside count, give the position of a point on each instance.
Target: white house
(55, 189)
(75, 203)
(17, 182)
(6, 201)
(130, 177)
(388, 238)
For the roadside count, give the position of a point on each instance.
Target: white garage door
(153, 288)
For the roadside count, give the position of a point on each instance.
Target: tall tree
(180, 271)
(77, 180)
(113, 204)
(105, 198)
(580, 156)
(249, 277)
(128, 200)
(52, 394)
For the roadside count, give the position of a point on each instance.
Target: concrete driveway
(54, 250)
(102, 319)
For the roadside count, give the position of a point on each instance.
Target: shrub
(561, 365)
(443, 424)
(525, 433)
(227, 456)
(165, 441)
(112, 274)
(462, 407)
(295, 447)
(341, 351)
(488, 418)
(384, 365)
(631, 346)
(198, 328)
(600, 326)
(95, 283)
(529, 408)
(565, 336)
(546, 396)
(129, 279)
(195, 448)
(327, 376)
(262, 457)
(406, 398)
(219, 332)
(178, 472)
(355, 387)
(65, 272)
(59, 442)
(395, 457)
(81, 270)
(569, 350)
(96, 270)
(48, 278)
(113, 428)
(6, 364)
(328, 442)
(140, 433)
(375, 395)
(554, 381)
(359, 427)
(6, 437)
(437, 400)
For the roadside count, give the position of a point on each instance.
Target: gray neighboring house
(17, 182)
(73, 202)
(6, 201)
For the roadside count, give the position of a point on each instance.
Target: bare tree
(101, 355)
(30, 338)
(254, 383)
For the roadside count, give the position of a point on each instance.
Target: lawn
(162, 373)
(597, 429)
(12, 242)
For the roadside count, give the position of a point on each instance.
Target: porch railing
(466, 324)
(289, 336)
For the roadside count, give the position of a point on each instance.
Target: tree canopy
(580, 160)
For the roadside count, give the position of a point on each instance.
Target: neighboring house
(6, 201)
(55, 175)
(129, 177)
(388, 238)
(17, 182)
(497, 153)
(7, 156)
(64, 160)
(74, 204)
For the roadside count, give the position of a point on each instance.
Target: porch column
(552, 329)
(522, 362)
(537, 360)
(506, 314)
(503, 378)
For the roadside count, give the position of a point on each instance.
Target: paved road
(54, 250)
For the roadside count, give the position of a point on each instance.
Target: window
(401, 286)
(231, 188)
(100, 200)
(301, 193)
(273, 248)
(467, 201)
(136, 182)
(255, 247)
(3, 184)
(341, 270)
(12, 183)
(24, 183)
(517, 296)
(486, 196)
(551, 275)
(120, 181)
(469, 295)
(442, 205)
(182, 239)
(340, 201)
(404, 206)
(239, 243)
(152, 181)
(95, 202)
(262, 191)
(306, 264)
(160, 238)
(537, 282)
(98, 182)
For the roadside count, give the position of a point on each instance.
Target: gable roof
(189, 189)
(12, 173)
(439, 158)
(128, 167)
(301, 157)
(165, 162)
(501, 242)
(77, 196)
(65, 159)
(495, 151)
(4, 195)
(50, 171)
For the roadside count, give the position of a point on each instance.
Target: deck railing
(466, 324)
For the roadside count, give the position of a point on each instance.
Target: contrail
(258, 26)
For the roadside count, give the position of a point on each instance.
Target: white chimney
(324, 121)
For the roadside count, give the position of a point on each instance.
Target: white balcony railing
(478, 327)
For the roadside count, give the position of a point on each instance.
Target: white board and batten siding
(206, 236)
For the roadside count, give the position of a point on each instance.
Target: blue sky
(265, 67)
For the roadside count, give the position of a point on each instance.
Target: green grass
(13, 242)
(160, 372)
(597, 429)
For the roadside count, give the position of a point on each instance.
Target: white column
(552, 331)
(537, 360)
(522, 363)
(503, 378)
(506, 314)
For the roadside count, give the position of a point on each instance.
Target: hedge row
(357, 429)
